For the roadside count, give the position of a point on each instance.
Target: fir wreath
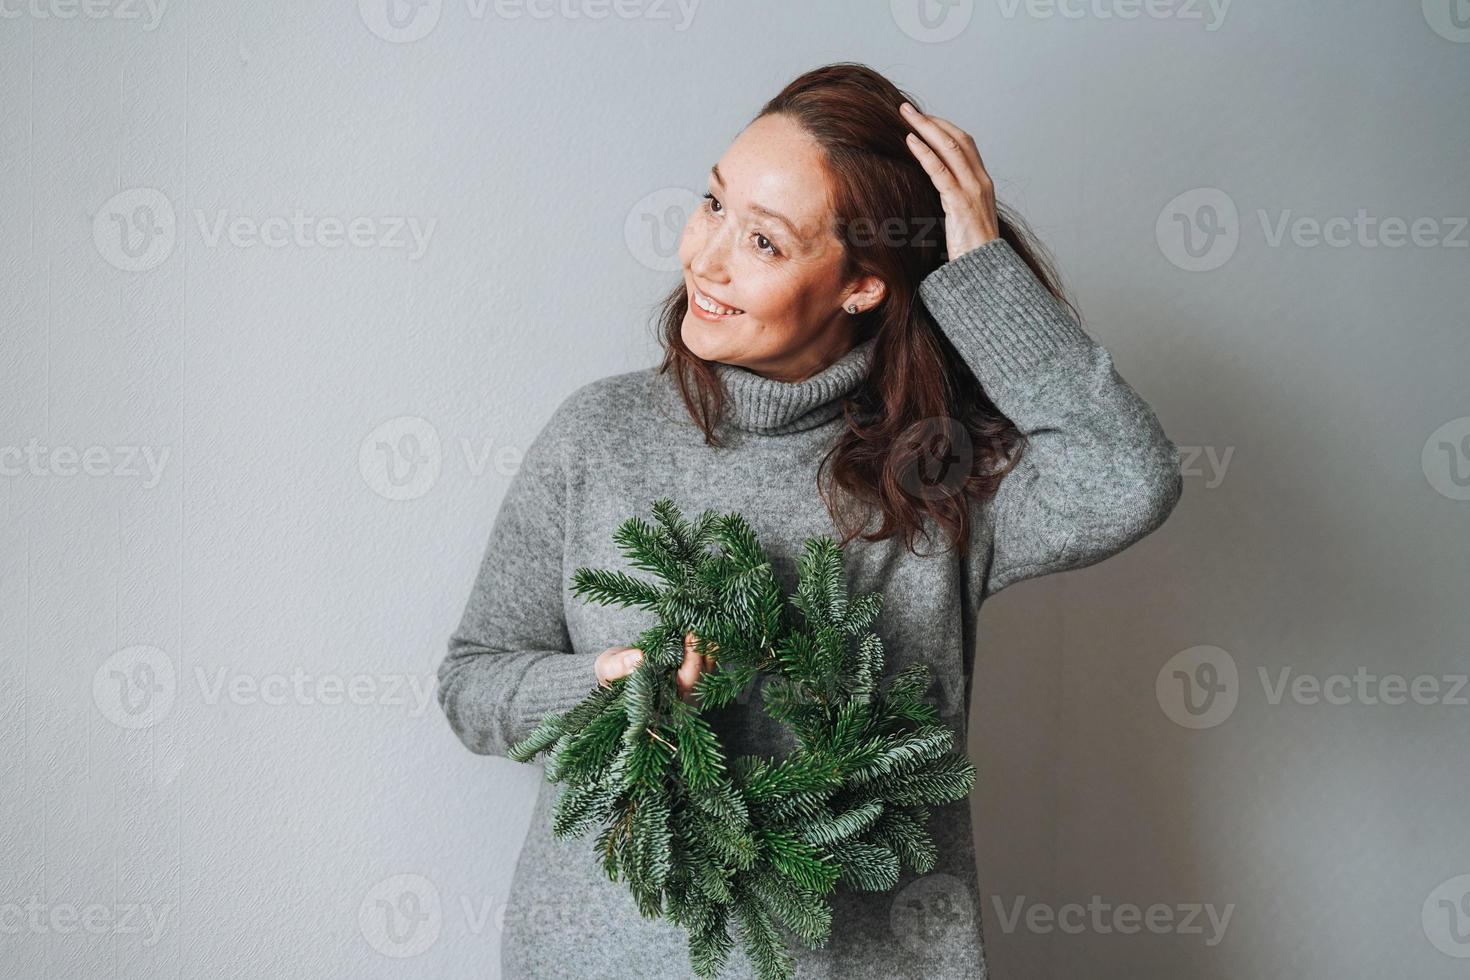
(761, 842)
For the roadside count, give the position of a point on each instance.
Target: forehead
(775, 163)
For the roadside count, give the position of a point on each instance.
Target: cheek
(775, 298)
(691, 240)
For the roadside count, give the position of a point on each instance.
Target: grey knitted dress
(1099, 473)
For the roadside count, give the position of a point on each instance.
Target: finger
(944, 179)
(624, 664)
(692, 641)
(966, 144)
(688, 671)
(948, 140)
(941, 154)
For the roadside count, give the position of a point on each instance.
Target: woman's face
(762, 242)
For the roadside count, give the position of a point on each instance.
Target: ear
(867, 292)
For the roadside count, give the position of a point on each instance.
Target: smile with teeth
(710, 306)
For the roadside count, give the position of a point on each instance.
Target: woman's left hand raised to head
(950, 158)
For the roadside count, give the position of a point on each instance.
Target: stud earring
(852, 307)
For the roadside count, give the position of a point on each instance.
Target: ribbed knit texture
(760, 404)
(1097, 474)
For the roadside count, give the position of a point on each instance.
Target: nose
(708, 262)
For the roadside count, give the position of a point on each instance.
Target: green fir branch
(710, 841)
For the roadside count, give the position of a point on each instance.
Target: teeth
(709, 305)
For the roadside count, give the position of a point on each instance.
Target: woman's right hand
(615, 662)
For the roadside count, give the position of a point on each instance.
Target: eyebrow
(759, 209)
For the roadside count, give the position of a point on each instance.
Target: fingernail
(905, 107)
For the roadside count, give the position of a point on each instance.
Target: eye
(768, 247)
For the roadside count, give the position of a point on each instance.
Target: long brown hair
(920, 402)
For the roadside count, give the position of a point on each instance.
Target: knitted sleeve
(510, 660)
(1097, 473)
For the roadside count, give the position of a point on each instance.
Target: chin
(703, 339)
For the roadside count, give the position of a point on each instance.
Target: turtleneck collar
(759, 404)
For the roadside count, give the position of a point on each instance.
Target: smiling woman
(852, 294)
(817, 225)
(787, 270)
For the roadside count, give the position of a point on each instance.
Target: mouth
(708, 309)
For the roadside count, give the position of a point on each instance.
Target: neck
(810, 361)
(771, 406)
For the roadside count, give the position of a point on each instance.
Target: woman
(863, 341)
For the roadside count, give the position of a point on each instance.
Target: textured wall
(287, 287)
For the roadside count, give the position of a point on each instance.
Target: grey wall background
(249, 467)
